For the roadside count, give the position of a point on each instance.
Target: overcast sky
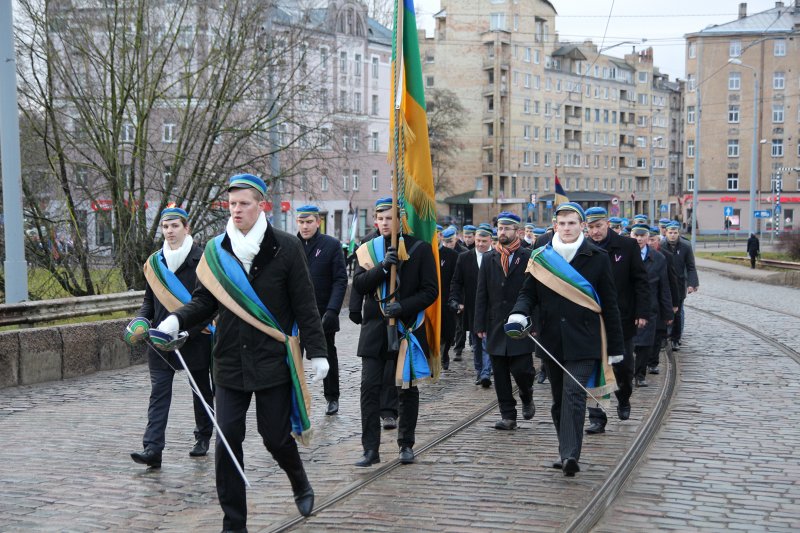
(663, 24)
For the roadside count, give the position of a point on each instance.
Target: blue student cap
(449, 231)
(574, 207)
(383, 204)
(247, 181)
(171, 213)
(469, 229)
(507, 217)
(307, 211)
(596, 213)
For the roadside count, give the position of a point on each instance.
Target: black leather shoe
(242, 530)
(557, 464)
(528, 410)
(571, 467)
(200, 448)
(148, 457)
(641, 382)
(305, 501)
(505, 424)
(675, 346)
(457, 357)
(486, 383)
(653, 370)
(406, 455)
(478, 381)
(542, 377)
(390, 422)
(595, 428)
(333, 407)
(624, 412)
(370, 458)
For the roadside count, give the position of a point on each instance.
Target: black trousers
(389, 399)
(753, 260)
(373, 370)
(569, 404)
(643, 354)
(623, 372)
(272, 416)
(519, 366)
(330, 385)
(661, 334)
(461, 333)
(677, 323)
(161, 378)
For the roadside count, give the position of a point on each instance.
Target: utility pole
(274, 134)
(16, 269)
(698, 118)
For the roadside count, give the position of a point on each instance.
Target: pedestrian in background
(753, 249)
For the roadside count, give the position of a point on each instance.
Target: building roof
(571, 51)
(581, 196)
(622, 64)
(462, 198)
(775, 20)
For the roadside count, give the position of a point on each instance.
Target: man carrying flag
(417, 289)
(170, 275)
(255, 276)
(571, 285)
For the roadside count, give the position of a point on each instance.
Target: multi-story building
(742, 98)
(541, 108)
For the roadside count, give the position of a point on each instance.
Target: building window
(735, 49)
(526, 106)
(342, 100)
(375, 105)
(357, 65)
(734, 81)
(779, 80)
(733, 182)
(526, 158)
(497, 21)
(343, 62)
(375, 65)
(374, 141)
(690, 182)
(777, 147)
(642, 77)
(345, 181)
(689, 114)
(356, 176)
(128, 133)
(374, 180)
(479, 183)
(690, 148)
(733, 114)
(777, 113)
(527, 81)
(429, 81)
(527, 56)
(357, 103)
(779, 49)
(692, 50)
(324, 183)
(526, 132)
(168, 133)
(733, 147)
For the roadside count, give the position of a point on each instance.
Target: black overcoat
(447, 266)
(464, 286)
(245, 358)
(197, 350)
(328, 272)
(494, 299)
(569, 331)
(683, 261)
(418, 289)
(660, 298)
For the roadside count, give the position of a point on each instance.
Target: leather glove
(615, 359)
(170, 325)
(517, 318)
(390, 258)
(330, 321)
(454, 306)
(393, 309)
(355, 317)
(320, 367)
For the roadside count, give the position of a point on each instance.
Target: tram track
(739, 302)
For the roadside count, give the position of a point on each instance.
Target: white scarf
(567, 251)
(245, 247)
(175, 258)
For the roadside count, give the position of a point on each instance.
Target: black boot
(304, 499)
(200, 448)
(148, 457)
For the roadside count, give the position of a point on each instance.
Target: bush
(789, 243)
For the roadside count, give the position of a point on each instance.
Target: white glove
(320, 367)
(170, 325)
(517, 318)
(614, 359)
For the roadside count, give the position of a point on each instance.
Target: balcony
(626, 147)
(575, 96)
(572, 144)
(573, 120)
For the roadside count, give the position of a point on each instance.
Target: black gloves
(355, 317)
(454, 306)
(393, 309)
(330, 321)
(390, 258)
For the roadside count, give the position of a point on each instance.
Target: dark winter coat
(630, 279)
(418, 289)
(660, 297)
(569, 331)
(197, 350)
(672, 275)
(683, 261)
(465, 285)
(328, 272)
(494, 299)
(753, 246)
(447, 267)
(246, 359)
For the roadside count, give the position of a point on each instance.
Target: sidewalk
(742, 271)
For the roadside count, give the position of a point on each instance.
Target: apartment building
(540, 108)
(742, 115)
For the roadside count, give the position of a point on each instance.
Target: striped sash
(224, 277)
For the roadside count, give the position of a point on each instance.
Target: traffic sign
(549, 204)
(777, 209)
(727, 211)
(763, 213)
(664, 208)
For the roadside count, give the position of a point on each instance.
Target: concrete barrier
(46, 354)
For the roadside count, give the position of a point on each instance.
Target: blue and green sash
(412, 364)
(166, 286)
(224, 277)
(553, 271)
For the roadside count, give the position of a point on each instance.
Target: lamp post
(652, 205)
(754, 152)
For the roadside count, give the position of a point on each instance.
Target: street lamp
(754, 153)
(652, 202)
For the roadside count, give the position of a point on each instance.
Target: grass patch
(75, 320)
(725, 257)
(43, 286)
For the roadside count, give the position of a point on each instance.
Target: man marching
(170, 275)
(329, 275)
(571, 286)
(417, 288)
(256, 277)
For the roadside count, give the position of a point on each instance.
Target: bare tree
(446, 117)
(137, 104)
(381, 11)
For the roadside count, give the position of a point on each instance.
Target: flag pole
(393, 341)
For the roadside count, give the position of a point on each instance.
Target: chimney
(742, 10)
(778, 4)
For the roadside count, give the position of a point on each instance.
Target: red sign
(727, 199)
(107, 205)
(285, 206)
